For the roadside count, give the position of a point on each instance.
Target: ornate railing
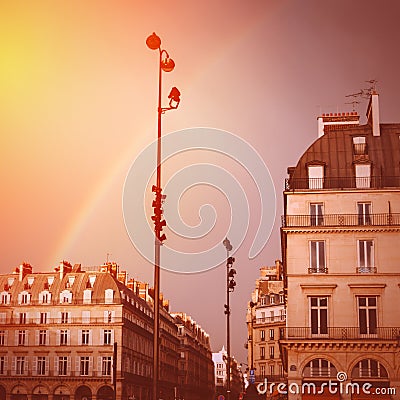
(373, 182)
(331, 220)
(342, 333)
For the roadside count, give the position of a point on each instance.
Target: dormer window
(24, 298)
(359, 146)
(70, 282)
(65, 296)
(44, 297)
(31, 279)
(50, 280)
(87, 296)
(10, 282)
(5, 298)
(315, 176)
(109, 296)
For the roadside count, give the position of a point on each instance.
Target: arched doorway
(40, 393)
(19, 392)
(2, 393)
(83, 393)
(105, 393)
(62, 393)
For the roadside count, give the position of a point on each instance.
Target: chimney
(24, 269)
(122, 276)
(64, 268)
(373, 113)
(332, 121)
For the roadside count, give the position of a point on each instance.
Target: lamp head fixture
(153, 42)
(167, 64)
(174, 97)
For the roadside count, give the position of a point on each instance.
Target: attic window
(10, 282)
(363, 176)
(71, 280)
(50, 280)
(92, 279)
(315, 176)
(31, 280)
(359, 145)
(109, 296)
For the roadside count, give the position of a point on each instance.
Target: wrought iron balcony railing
(269, 320)
(338, 183)
(334, 220)
(318, 270)
(342, 333)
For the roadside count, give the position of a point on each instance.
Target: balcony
(341, 333)
(318, 270)
(366, 270)
(339, 183)
(335, 220)
(269, 320)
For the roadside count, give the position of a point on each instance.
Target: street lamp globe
(153, 42)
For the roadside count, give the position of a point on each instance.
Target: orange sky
(78, 104)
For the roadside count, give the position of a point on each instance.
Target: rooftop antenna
(108, 255)
(354, 102)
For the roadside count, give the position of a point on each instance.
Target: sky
(78, 106)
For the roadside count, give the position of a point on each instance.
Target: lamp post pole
(167, 65)
(230, 287)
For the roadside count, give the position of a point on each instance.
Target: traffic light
(158, 212)
(227, 311)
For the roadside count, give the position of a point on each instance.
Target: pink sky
(78, 91)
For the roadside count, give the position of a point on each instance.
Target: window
(315, 176)
(84, 366)
(271, 351)
(320, 367)
(41, 365)
(5, 298)
(2, 338)
(108, 296)
(42, 338)
(87, 296)
(85, 337)
(364, 213)
(106, 366)
(262, 352)
(21, 338)
(63, 337)
(24, 298)
(262, 371)
(64, 318)
(366, 256)
(369, 368)
(282, 314)
(319, 315)
(281, 299)
(62, 365)
(22, 318)
(359, 145)
(272, 299)
(316, 214)
(85, 317)
(272, 369)
(2, 365)
(65, 296)
(45, 297)
(107, 336)
(43, 318)
(367, 315)
(20, 366)
(363, 176)
(317, 257)
(271, 334)
(262, 334)
(271, 316)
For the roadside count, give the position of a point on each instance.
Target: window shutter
(79, 337)
(77, 364)
(90, 337)
(58, 333)
(6, 364)
(13, 365)
(102, 337)
(112, 336)
(99, 365)
(90, 365)
(37, 337)
(47, 365)
(6, 338)
(26, 365)
(68, 365)
(16, 338)
(56, 361)
(59, 316)
(68, 337)
(34, 365)
(105, 316)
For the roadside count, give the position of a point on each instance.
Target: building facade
(340, 236)
(83, 335)
(196, 368)
(266, 319)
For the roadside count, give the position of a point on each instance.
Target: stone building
(82, 334)
(340, 237)
(266, 319)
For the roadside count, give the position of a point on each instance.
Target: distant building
(340, 240)
(83, 334)
(195, 365)
(220, 366)
(266, 319)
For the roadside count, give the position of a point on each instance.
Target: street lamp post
(166, 64)
(230, 287)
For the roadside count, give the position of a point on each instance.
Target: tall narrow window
(20, 365)
(41, 365)
(106, 366)
(272, 369)
(319, 315)
(271, 352)
(43, 317)
(366, 256)
(22, 318)
(107, 336)
(317, 257)
(42, 338)
(2, 365)
(21, 338)
(359, 145)
(62, 365)
(315, 176)
(2, 338)
(367, 315)
(262, 353)
(316, 214)
(85, 337)
(364, 213)
(84, 366)
(262, 335)
(363, 176)
(63, 337)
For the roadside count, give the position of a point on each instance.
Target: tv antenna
(354, 102)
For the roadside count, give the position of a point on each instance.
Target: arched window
(369, 368)
(319, 367)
